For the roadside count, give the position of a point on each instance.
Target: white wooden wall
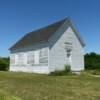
(58, 57)
(30, 61)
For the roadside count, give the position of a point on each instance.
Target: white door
(36, 57)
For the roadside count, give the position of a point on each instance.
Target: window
(25, 58)
(43, 56)
(43, 52)
(68, 52)
(30, 58)
(21, 59)
(12, 59)
(36, 57)
(68, 48)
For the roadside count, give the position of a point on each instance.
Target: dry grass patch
(24, 86)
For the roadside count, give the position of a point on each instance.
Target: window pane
(30, 58)
(20, 59)
(43, 58)
(12, 59)
(44, 52)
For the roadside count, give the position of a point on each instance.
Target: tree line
(92, 61)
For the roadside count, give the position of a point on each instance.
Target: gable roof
(41, 35)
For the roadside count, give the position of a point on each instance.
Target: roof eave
(77, 32)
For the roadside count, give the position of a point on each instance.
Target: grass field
(24, 86)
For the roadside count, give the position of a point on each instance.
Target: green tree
(92, 61)
(4, 64)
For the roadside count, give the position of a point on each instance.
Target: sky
(18, 17)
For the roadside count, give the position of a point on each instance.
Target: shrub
(92, 61)
(66, 71)
(67, 68)
(57, 73)
(4, 64)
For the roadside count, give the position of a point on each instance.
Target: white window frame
(25, 58)
(14, 59)
(36, 57)
(21, 59)
(68, 48)
(43, 56)
(30, 58)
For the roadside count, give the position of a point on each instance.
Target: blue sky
(17, 17)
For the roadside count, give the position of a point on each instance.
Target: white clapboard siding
(25, 59)
(36, 57)
(43, 57)
(16, 59)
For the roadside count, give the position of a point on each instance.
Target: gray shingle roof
(44, 34)
(41, 35)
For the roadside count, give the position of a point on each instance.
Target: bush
(67, 68)
(66, 71)
(4, 64)
(92, 61)
(3, 67)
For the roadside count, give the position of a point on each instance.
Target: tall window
(30, 58)
(68, 52)
(21, 59)
(68, 48)
(12, 59)
(43, 57)
(36, 57)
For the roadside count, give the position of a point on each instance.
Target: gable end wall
(57, 54)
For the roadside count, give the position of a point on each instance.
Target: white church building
(48, 49)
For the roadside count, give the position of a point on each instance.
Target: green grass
(24, 86)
